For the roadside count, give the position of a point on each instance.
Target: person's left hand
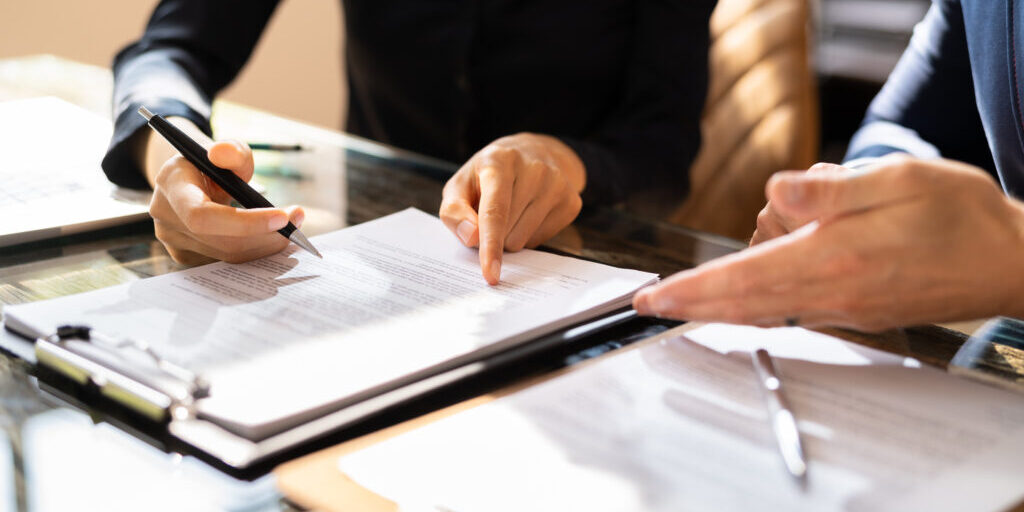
(517, 192)
(903, 243)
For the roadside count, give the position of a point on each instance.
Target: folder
(242, 363)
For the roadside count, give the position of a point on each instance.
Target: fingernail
(277, 222)
(300, 217)
(495, 270)
(465, 231)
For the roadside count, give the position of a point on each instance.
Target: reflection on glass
(7, 497)
(71, 462)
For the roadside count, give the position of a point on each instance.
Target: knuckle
(449, 210)
(765, 219)
(195, 219)
(154, 208)
(905, 171)
(161, 232)
(167, 170)
(499, 153)
(575, 204)
(490, 173)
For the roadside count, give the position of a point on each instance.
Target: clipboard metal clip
(127, 371)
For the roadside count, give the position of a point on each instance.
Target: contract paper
(679, 424)
(281, 337)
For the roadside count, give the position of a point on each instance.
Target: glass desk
(53, 456)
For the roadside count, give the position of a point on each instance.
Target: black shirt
(621, 82)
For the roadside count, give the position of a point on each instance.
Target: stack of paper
(291, 337)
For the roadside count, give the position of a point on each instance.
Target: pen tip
(303, 242)
(145, 113)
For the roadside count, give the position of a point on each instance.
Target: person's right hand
(191, 216)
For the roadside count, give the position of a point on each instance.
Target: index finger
(495, 201)
(201, 215)
(772, 267)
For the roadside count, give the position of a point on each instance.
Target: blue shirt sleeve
(927, 107)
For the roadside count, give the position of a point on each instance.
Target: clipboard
(127, 384)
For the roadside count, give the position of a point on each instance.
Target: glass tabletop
(54, 455)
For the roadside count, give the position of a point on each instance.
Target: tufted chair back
(761, 114)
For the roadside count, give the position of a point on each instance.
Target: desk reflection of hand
(191, 216)
(903, 243)
(517, 192)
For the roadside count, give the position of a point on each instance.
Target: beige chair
(761, 114)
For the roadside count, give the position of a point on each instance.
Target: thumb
(825, 195)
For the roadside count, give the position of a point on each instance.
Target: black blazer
(622, 82)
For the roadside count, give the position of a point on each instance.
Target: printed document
(285, 336)
(679, 424)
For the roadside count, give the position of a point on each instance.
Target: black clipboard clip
(124, 370)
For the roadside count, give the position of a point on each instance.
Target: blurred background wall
(295, 72)
(297, 69)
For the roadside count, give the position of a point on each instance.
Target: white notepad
(290, 337)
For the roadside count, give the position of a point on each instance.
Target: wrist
(152, 151)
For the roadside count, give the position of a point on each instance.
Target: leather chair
(761, 114)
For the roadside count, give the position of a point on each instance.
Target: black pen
(227, 180)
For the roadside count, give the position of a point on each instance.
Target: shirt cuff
(120, 163)
(880, 138)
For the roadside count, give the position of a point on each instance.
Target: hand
(190, 213)
(903, 243)
(772, 223)
(517, 192)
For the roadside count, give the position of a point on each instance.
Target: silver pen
(783, 422)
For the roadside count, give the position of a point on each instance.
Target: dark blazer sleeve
(651, 138)
(191, 49)
(927, 107)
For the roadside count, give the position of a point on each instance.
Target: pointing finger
(495, 200)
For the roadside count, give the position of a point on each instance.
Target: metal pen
(787, 436)
(239, 190)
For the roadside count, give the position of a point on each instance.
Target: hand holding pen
(190, 212)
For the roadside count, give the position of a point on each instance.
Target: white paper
(57, 187)
(291, 332)
(675, 425)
